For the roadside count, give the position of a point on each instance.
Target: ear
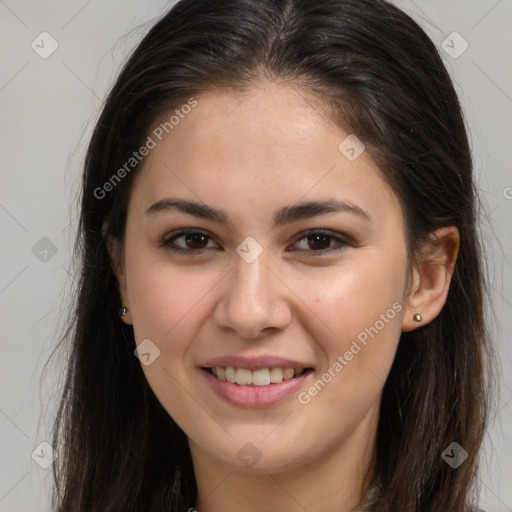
(432, 277)
(117, 261)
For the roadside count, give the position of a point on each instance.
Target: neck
(334, 482)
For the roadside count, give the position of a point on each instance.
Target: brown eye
(318, 243)
(193, 241)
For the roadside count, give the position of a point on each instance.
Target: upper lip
(254, 362)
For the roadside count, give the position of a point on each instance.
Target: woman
(281, 297)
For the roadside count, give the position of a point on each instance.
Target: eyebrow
(285, 215)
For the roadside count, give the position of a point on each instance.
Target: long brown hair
(380, 77)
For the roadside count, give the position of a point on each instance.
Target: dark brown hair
(378, 76)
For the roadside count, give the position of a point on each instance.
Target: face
(268, 285)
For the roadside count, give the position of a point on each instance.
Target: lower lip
(253, 397)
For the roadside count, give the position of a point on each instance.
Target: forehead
(270, 146)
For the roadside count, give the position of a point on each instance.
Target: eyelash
(166, 242)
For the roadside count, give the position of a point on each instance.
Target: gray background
(48, 110)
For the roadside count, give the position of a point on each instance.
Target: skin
(250, 155)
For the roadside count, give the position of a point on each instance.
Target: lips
(253, 382)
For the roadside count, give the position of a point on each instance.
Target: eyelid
(342, 240)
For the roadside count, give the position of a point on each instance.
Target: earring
(124, 311)
(417, 317)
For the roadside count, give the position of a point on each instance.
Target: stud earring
(417, 317)
(124, 311)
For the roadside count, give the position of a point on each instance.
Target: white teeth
(230, 374)
(243, 377)
(288, 373)
(262, 377)
(276, 375)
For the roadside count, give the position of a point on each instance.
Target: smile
(255, 388)
(261, 377)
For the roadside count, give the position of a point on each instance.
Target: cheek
(361, 312)
(364, 314)
(165, 300)
(167, 309)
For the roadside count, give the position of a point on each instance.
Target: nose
(254, 302)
